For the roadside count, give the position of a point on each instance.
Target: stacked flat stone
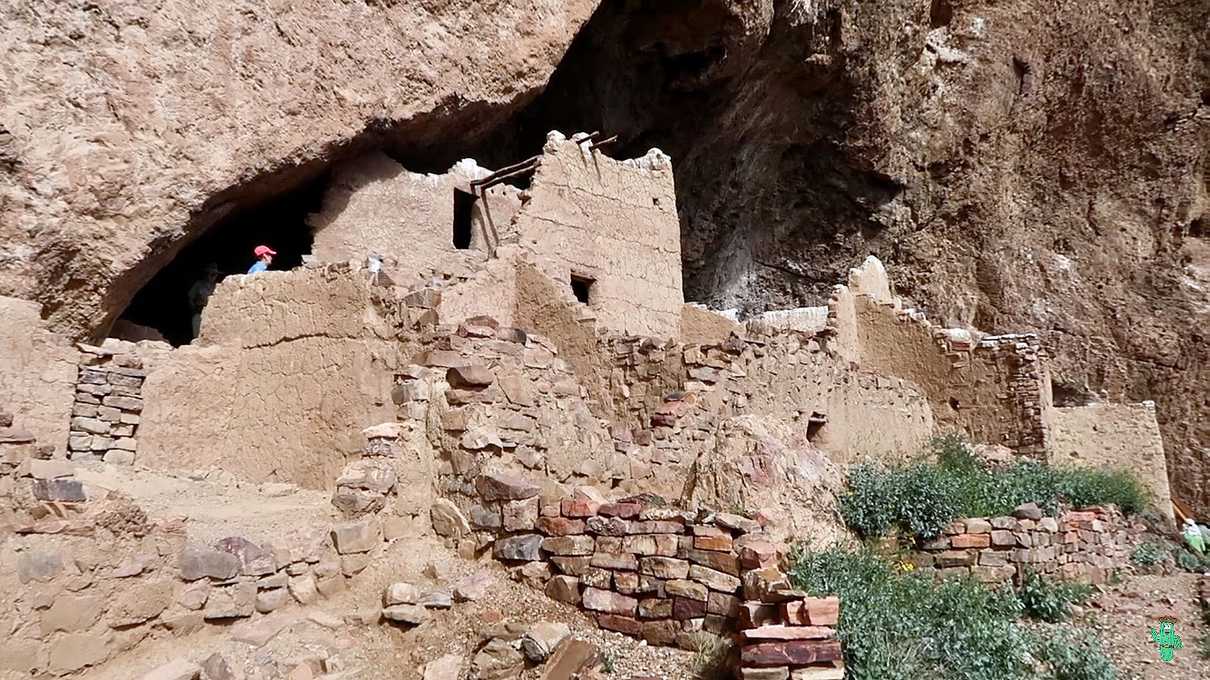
(108, 406)
(1088, 545)
(784, 633)
(363, 485)
(641, 569)
(21, 457)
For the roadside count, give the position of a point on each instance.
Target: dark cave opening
(164, 303)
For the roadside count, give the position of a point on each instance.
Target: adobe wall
(374, 204)
(613, 221)
(705, 326)
(995, 390)
(37, 372)
(290, 366)
(1118, 436)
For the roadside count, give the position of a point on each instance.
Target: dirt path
(1123, 614)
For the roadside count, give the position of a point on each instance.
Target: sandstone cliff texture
(127, 127)
(1018, 164)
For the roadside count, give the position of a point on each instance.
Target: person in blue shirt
(264, 257)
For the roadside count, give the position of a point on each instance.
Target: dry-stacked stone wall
(108, 406)
(1087, 544)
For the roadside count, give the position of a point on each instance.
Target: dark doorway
(464, 212)
(164, 303)
(581, 286)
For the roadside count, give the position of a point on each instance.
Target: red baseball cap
(264, 250)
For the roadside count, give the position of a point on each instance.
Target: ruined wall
(292, 365)
(37, 372)
(614, 222)
(994, 390)
(108, 406)
(1118, 436)
(1086, 545)
(700, 326)
(375, 205)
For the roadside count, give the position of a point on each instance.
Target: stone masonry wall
(664, 575)
(1087, 544)
(85, 576)
(108, 407)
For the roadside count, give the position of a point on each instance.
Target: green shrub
(1087, 486)
(921, 498)
(1050, 600)
(1147, 554)
(897, 626)
(1066, 655)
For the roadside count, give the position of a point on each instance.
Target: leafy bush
(1190, 561)
(903, 626)
(1050, 600)
(1147, 554)
(1070, 656)
(922, 498)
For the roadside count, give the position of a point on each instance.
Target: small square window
(582, 287)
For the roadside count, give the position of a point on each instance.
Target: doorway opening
(464, 213)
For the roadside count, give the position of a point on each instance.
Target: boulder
(505, 486)
(542, 638)
(197, 562)
(448, 520)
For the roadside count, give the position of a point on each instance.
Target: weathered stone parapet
(1086, 545)
(108, 406)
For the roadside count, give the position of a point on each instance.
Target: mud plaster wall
(1120, 436)
(544, 306)
(490, 291)
(37, 372)
(704, 327)
(293, 365)
(615, 222)
(374, 205)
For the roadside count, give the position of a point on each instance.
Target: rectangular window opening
(464, 212)
(582, 287)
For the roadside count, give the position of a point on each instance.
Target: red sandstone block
(718, 543)
(789, 633)
(621, 624)
(560, 526)
(579, 507)
(812, 611)
(758, 554)
(971, 541)
(660, 632)
(656, 527)
(623, 510)
(684, 609)
(724, 562)
(790, 653)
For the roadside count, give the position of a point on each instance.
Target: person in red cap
(264, 257)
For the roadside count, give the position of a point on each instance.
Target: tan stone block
(962, 541)
(715, 580)
(73, 651)
(664, 567)
(687, 589)
(71, 613)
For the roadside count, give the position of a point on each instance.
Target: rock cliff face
(1018, 164)
(129, 127)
